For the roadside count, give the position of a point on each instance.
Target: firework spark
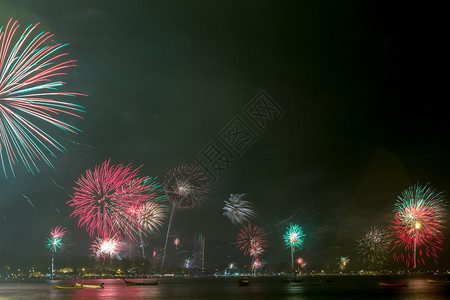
(343, 262)
(28, 88)
(58, 239)
(238, 210)
(107, 248)
(187, 263)
(374, 246)
(252, 241)
(186, 186)
(418, 223)
(105, 198)
(176, 242)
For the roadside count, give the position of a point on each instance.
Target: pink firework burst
(105, 197)
(186, 186)
(252, 241)
(417, 226)
(58, 239)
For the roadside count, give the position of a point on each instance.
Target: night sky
(359, 83)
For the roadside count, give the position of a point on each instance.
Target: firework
(374, 246)
(56, 242)
(57, 239)
(29, 65)
(107, 248)
(186, 186)
(252, 241)
(343, 262)
(150, 216)
(293, 238)
(176, 242)
(187, 263)
(238, 210)
(418, 223)
(106, 199)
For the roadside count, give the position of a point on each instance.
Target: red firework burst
(417, 226)
(252, 241)
(105, 198)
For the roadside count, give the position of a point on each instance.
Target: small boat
(243, 281)
(67, 287)
(132, 283)
(314, 283)
(80, 286)
(396, 284)
(439, 281)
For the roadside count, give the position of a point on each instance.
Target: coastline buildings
(198, 251)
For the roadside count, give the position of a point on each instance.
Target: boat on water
(79, 286)
(313, 283)
(132, 283)
(392, 284)
(72, 287)
(243, 281)
(439, 281)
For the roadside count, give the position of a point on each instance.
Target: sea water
(227, 288)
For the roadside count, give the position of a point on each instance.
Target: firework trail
(418, 223)
(186, 187)
(105, 197)
(107, 248)
(238, 210)
(150, 217)
(374, 246)
(57, 241)
(29, 201)
(252, 240)
(55, 207)
(29, 97)
(293, 238)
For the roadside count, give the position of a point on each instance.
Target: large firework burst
(374, 246)
(252, 240)
(28, 97)
(418, 223)
(105, 199)
(238, 210)
(186, 186)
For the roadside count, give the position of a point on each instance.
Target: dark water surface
(227, 288)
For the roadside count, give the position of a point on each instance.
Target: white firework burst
(238, 210)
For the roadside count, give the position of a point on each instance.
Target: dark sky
(359, 84)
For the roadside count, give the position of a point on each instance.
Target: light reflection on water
(227, 288)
